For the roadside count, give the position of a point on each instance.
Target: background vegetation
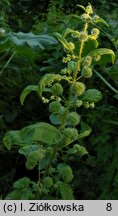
(96, 175)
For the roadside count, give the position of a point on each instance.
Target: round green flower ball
(78, 88)
(73, 119)
(48, 182)
(71, 45)
(86, 72)
(57, 89)
(70, 134)
(55, 107)
(83, 36)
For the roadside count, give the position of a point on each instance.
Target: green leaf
(33, 134)
(26, 91)
(33, 158)
(12, 138)
(31, 39)
(33, 154)
(82, 7)
(72, 65)
(47, 79)
(67, 31)
(85, 130)
(92, 95)
(14, 195)
(63, 41)
(65, 191)
(25, 51)
(55, 119)
(100, 20)
(65, 172)
(80, 150)
(89, 46)
(26, 150)
(103, 51)
(43, 132)
(22, 183)
(5, 46)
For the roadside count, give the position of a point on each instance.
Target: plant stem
(74, 77)
(80, 54)
(69, 98)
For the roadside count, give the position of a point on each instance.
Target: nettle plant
(49, 146)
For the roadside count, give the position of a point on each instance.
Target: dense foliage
(30, 53)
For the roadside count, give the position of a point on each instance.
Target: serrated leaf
(103, 51)
(92, 95)
(46, 80)
(89, 46)
(65, 191)
(26, 91)
(85, 130)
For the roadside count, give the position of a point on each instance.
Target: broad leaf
(43, 132)
(37, 133)
(26, 91)
(22, 183)
(103, 51)
(12, 138)
(33, 158)
(89, 46)
(65, 172)
(33, 154)
(85, 130)
(26, 150)
(55, 120)
(92, 95)
(72, 65)
(31, 39)
(65, 191)
(48, 79)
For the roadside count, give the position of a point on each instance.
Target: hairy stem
(80, 54)
(74, 77)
